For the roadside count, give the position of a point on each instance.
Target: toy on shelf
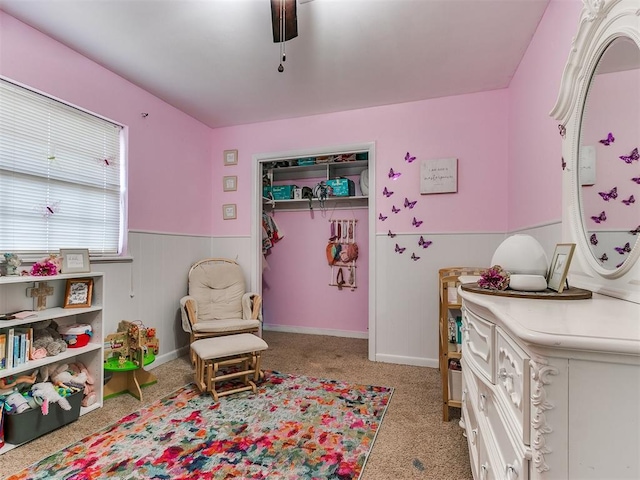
(126, 353)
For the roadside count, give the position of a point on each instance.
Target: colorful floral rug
(295, 428)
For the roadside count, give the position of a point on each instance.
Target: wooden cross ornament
(40, 292)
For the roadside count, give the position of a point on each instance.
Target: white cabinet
(14, 297)
(551, 388)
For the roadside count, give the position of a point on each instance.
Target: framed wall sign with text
(439, 176)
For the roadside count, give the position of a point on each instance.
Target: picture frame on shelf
(229, 211)
(559, 267)
(230, 183)
(75, 260)
(79, 293)
(230, 157)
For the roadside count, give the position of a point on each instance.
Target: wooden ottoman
(240, 351)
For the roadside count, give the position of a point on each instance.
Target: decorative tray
(571, 293)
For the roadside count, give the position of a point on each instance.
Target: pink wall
(466, 126)
(612, 106)
(295, 287)
(169, 161)
(534, 145)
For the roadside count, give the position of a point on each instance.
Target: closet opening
(313, 241)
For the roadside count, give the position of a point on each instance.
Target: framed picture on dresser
(557, 275)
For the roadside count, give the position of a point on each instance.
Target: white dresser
(551, 388)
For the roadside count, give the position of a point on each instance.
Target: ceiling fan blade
(290, 20)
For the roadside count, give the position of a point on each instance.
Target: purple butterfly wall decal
(564, 164)
(630, 158)
(382, 217)
(620, 264)
(629, 200)
(400, 249)
(393, 175)
(635, 231)
(603, 258)
(600, 218)
(392, 235)
(394, 209)
(408, 158)
(610, 195)
(623, 250)
(387, 193)
(424, 243)
(414, 257)
(408, 204)
(608, 141)
(636, 179)
(416, 223)
(593, 239)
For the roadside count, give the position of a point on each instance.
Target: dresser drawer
(513, 382)
(511, 462)
(478, 342)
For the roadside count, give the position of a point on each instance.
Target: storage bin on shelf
(24, 427)
(76, 335)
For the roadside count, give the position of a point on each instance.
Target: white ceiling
(216, 60)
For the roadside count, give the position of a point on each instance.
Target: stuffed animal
(46, 336)
(64, 376)
(47, 392)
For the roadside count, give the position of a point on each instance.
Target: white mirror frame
(601, 21)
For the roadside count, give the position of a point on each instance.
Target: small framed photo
(559, 268)
(75, 260)
(229, 211)
(231, 157)
(230, 183)
(78, 293)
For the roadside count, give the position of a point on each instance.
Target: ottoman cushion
(218, 347)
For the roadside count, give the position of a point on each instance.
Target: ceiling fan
(284, 23)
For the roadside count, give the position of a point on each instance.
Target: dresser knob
(474, 436)
(484, 470)
(511, 472)
(483, 400)
(502, 373)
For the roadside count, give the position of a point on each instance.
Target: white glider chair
(217, 303)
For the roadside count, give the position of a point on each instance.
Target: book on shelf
(10, 348)
(3, 351)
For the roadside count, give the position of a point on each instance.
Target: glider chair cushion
(217, 303)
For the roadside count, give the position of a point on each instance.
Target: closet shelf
(331, 202)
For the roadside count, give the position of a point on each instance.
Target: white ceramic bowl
(528, 283)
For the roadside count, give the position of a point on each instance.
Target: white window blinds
(61, 176)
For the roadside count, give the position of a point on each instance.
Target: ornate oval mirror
(598, 110)
(608, 159)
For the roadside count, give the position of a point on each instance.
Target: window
(61, 176)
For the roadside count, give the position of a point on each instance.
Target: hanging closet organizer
(342, 253)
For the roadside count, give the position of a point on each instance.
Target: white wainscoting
(149, 287)
(407, 295)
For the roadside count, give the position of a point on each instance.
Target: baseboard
(315, 331)
(167, 357)
(402, 360)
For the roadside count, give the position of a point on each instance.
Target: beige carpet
(413, 442)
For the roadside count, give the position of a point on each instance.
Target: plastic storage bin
(76, 335)
(23, 427)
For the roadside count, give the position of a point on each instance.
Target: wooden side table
(128, 378)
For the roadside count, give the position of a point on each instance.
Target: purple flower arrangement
(44, 269)
(494, 278)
